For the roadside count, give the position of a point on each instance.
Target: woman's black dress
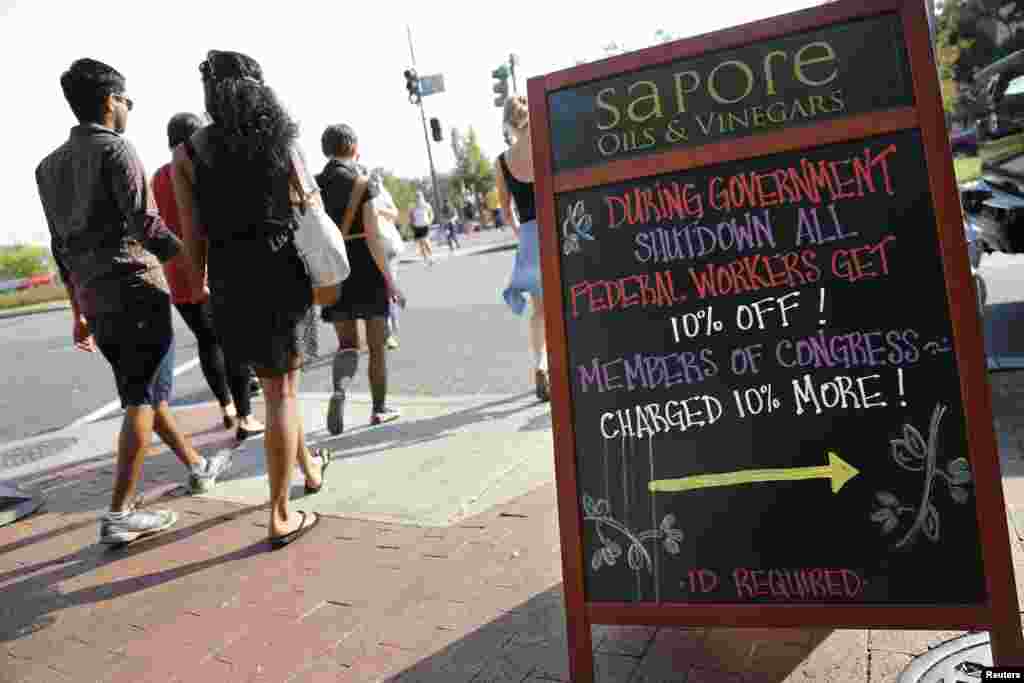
(364, 294)
(260, 290)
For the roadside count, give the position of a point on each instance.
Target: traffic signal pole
(426, 136)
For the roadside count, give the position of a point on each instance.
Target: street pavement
(49, 384)
(437, 559)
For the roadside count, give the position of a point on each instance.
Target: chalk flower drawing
(914, 454)
(576, 226)
(637, 557)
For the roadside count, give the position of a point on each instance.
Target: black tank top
(522, 193)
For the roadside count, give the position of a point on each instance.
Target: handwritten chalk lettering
(792, 584)
(645, 290)
(862, 263)
(852, 350)
(744, 360)
(641, 371)
(696, 324)
(751, 231)
(665, 201)
(810, 230)
(843, 392)
(754, 273)
(702, 580)
(749, 315)
(755, 400)
(807, 182)
(644, 421)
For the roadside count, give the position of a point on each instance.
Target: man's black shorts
(139, 345)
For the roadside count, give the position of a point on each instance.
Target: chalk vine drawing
(637, 557)
(915, 454)
(935, 348)
(577, 225)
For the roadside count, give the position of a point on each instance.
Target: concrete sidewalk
(437, 560)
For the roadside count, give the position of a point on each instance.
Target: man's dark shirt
(107, 237)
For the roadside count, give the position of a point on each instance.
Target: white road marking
(115, 405)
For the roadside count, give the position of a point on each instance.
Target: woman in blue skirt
(515, 189)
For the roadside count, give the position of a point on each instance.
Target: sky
(330, 62)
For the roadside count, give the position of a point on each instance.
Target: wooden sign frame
(1000, 614)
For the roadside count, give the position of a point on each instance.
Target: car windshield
(1016, 87)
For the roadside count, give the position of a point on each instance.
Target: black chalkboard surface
(763, 386)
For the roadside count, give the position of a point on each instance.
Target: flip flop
(277, 542)
(327, 457)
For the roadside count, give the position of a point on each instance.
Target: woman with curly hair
(232, 183)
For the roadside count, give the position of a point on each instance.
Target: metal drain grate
(958, 661)
(34, 452)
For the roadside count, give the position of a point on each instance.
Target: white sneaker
(135, 524)
(201, 479)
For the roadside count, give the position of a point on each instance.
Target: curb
(466, 251)
(32, 310)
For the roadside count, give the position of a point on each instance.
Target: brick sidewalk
(362, 601)
(354, 601)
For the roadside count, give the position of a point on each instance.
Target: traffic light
(412, 84)
(435, 129)
(501, 86)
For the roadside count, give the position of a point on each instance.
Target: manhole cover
(957, 661)
(15, 504)
(34, 452)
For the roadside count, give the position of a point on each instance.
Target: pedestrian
(515, 192)
(421, 218)
(370, 287)
(451, 228)
(228, 380)
(387, 215)
(108, 242)
(238, 170)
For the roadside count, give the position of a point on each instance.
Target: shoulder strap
(509, 178)
(354, 200)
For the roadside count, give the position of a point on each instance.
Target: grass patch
(967, 169)
(30, 297)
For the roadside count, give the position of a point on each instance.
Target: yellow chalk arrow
(837, 469)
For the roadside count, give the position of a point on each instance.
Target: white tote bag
(318, 239)
(393, 242)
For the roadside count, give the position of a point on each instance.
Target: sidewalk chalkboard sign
(769, 394)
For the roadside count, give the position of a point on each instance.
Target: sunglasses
(127, 100)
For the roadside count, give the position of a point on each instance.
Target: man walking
(108, 241)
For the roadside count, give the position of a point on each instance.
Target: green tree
(473, 172)
(24, 261)
(403, 191)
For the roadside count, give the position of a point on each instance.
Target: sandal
(277, 542)
(241, 434)
(326, 456)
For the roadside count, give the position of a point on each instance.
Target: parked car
(974, 253)
(995, 203)
(964, 142)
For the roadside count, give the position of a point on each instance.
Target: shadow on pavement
(528, 642)
(28, 598)
(425, 430)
